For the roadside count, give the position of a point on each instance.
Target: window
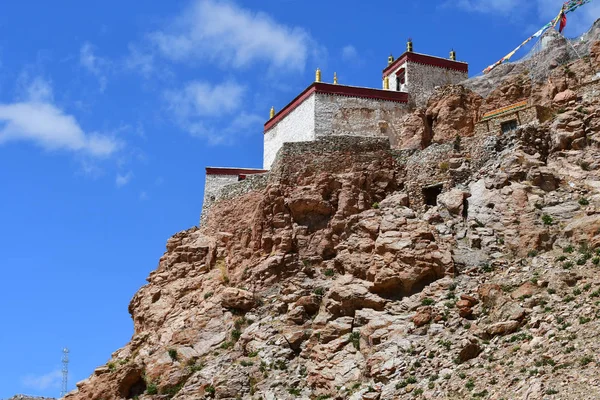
(400, 78)
(509, 126)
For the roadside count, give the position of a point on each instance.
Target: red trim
(427, 60)
(233, 171)
(337, 90)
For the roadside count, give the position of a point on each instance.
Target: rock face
(351, 276)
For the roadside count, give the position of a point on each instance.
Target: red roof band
(233, 171)
(339, 90)
(427, 60)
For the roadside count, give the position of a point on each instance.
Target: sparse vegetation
(547, 219)
(444, 166)
(583, 201)
(427, 301)
(355, 339)
(173, 354)
(329, 272)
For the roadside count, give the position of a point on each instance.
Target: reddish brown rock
(423, 316)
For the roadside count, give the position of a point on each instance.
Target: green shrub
(569, 249)
(547, 219)
(329, 272)
(583, 201)
(211, 390)
(427, 301)
(207, 295)
(294, 391)
(151, 388)
(173, 354)
(375, 205)
(444, 166)
(319, 291)
(355, 340)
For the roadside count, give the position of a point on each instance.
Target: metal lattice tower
(65, 372)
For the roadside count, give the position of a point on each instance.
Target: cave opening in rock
(430, 194)
(138, 388)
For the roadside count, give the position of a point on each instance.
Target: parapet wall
(348, 148)
(224, 187)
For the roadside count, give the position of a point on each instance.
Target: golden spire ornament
(453, 55)
(386, 83)
(391, 59)
(272, 113)
(318, 75)
(335, 81)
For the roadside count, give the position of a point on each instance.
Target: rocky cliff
(340, 278)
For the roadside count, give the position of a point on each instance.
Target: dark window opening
(430, 194)
(400, 79)
(509, 126)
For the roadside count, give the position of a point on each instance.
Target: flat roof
(339, 90)
(233, 171)
(427, 60)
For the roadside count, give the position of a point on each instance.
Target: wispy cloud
(51, 380)
(140, 61)
(223, 32)
(38, 120)
(349, 53)
(208, 111)
(204, 99)
(488, 6)
(123, 179)
(97, 66)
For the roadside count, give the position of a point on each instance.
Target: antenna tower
(65, 371)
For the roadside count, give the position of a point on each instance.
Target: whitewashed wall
(297, 126)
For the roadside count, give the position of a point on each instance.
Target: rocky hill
(335, 279)
(24, 397)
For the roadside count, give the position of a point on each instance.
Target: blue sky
(109, 112)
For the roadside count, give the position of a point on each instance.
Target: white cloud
(51, 380)
(489, 6)
(140, 61)
(349, 53)
(36, 119)
(122, 180)
(222, 32)
(202, 99)
(95, 65)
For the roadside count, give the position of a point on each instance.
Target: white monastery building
(325, 109)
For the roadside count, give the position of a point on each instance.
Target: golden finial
(390, 59)
(386, 83)
(453, 55)
(335, 78)
(318, 75)
(272, 113)
(409, 45)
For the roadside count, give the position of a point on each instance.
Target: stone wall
(421, 80)
(523, 116)
(435, 165)
(297, 126)
(224, 187)
(353, 116)
(352, 147)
